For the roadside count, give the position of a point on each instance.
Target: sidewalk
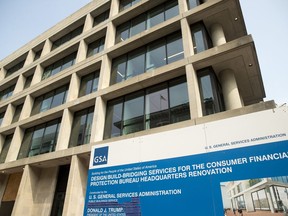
(257, 213)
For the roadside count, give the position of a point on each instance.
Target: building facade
(264, 194)
(116, 69)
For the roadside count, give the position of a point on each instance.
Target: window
(59, 65)
(95, 47)
(193, 3)
(101, 17)
(72, 34)
(40, 139)
(37, 55)
(28, 81)
(147, 20)
(1, 117)
(89, 83)
(124, 4)
(200, 37)
(210, 91)
(15, 68)
(6, 93)
(156, 106)
(17, 113)
(161, 52)
(81, 129)
(50, 100)
(5, 148)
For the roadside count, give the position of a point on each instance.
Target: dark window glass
(119, 69)
(15, 68)
(95, 47)
(17, 113)
(37, 55)
(156, 106)
(67, 37)
(138, 25)
(28, 81)
(101, 18)
(50, 100)
(59, 65)
(210, 91)
(6, 93)
(81, 129)
(60, 191)
(147, 20)
(124, 4)
(156, 55)
(89, 83)
(123, 32)
(135, 63)
(40, 139)
(171, 9)
(1, 117)
(161, 52)
(155, 16)
(133, 116)
(114, 112)
(179, 101)
(174, 48)
(194, 3)
(201, 40)
(5, 148)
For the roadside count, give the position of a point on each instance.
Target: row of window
(147, 20)
(159, 53)
(124, 31)
(159, 105)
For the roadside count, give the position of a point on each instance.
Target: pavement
(257, 213)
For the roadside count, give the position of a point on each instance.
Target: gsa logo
(100, 156)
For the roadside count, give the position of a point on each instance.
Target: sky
(266, 20)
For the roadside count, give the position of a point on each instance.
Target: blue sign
(100, 156)
(189, 185)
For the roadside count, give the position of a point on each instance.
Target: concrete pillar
(193, 92)
(29, 58)
(187, 38)
(15, 145)
(47, 47)
(230, 90)
(88, 23)
(2, 73)
(97, 129)
(27, 107)
(270, 200)
(8, 115)
(2, 141)
(74, 87)
(20, 84)
(76, 187)
(110, 36)
(82, 51)
(36, 191)
(37, 75)
(114, 9)
(104, 77)
(217, 35)
(182, 6)
(65, 130)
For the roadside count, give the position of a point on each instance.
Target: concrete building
(112, 70)
(266, 194)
